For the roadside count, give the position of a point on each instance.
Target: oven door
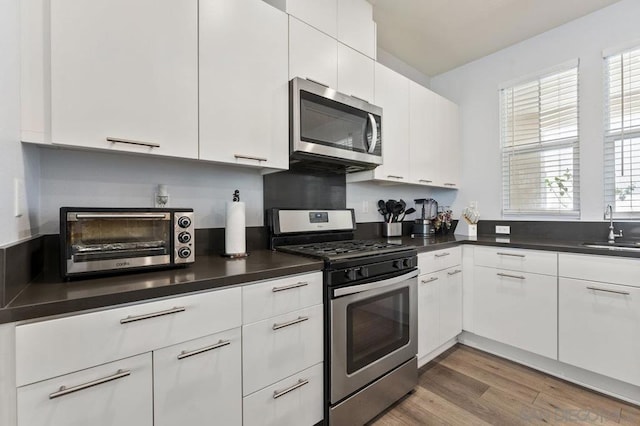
(373, 330)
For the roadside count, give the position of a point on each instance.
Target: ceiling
(435, 36)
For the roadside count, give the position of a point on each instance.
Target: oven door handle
(344, 291)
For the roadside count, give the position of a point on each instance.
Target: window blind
(622, 132)
(540, 145)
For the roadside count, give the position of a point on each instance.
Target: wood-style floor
(464, 386)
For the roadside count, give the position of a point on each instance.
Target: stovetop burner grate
(333, 250)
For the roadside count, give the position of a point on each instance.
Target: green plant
(557, 186)
(622, 193)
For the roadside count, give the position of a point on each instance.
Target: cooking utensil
(397, 211)
(406, 212)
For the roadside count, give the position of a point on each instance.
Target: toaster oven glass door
(102, 241)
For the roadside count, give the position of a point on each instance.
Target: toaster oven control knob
(184, 222)
(350, 274)
(184, 252)
(184, 237)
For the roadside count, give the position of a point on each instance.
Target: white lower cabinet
(293, 401)
(199, 380)
(439, 299)
(280, 346)
(112, 394)
(517, 308)
(599, 328)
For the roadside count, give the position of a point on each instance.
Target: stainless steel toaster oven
(106, 240)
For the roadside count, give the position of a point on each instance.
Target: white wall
(83, 178)
(475, 88)
(365, 195)
(15, 162)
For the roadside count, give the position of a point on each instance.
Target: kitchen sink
(623, 246)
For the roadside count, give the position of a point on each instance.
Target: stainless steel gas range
(370, 311)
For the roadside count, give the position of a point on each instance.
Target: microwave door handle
(344, 291)
(374, 133)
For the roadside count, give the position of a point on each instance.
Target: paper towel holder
(236, 198)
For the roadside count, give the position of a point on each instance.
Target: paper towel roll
(235, 231)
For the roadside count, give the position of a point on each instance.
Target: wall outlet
(19, 197)
(365, 206)
(503, 229)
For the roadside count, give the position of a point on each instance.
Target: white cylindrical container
(235, 242)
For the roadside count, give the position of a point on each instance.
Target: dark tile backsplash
(561, 230)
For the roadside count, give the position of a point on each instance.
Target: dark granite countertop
(49, 295)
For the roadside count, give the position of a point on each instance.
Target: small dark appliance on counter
(97, 241)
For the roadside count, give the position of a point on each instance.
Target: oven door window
(376, 327)
(96, 239)
(327, 122)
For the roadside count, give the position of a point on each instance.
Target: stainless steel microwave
(106, 240)
(332, 128)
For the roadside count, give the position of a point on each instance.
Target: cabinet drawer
(517, 308)
(199, 380)
(600, 268)
(537, 262)
(438, 260)
(280, 346)
(100, 396)
(59, 346)
(274, 406)
(276, 297)
(600, 328)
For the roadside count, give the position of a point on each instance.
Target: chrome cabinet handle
(442, 255)
(510, 254)
(624, 293)
(134, 318)
(249, 157)
(430, 280)
(132, 142)
(221, 343)
(395, 177)
(289, 323)
(520, 277)
(301, 383)
(425, 180)
(449, 184)
(66, 391)
(289, 287)
(457, 271)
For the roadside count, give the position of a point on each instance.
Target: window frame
(508, 148)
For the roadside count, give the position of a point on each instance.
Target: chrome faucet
(612, 236)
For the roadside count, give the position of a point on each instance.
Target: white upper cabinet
(124, 75)
(243, 84)
(319, 14)
(355, 73)
(391, 93)
(312, 54)
(423, 164)
(356, 27)
(449, 145)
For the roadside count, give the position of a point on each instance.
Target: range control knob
(397, 264)
(184, 252)
(184, 237)
(408, 263)
(184, 222)
(363, 272)
(350, 274)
